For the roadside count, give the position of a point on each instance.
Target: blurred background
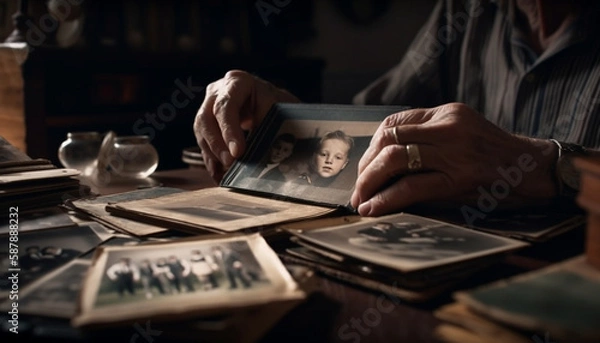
(140, 66)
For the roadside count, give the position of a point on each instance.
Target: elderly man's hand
(237, 102)
(460, 152)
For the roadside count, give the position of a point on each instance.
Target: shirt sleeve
(428, 73)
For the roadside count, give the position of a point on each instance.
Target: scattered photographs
(42, 251)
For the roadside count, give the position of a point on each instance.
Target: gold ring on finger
(414, 157)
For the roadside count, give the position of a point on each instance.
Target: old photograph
(407, 243)
(42, 251)
(216, 209)
(198, 275)
(40, 219)
(55, 294)
(299, 155)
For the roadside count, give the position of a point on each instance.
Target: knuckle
(392, 153)
(391, 120)
(235, 73)
(212, 87)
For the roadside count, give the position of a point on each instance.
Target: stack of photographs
(95, 208)
(189, 278)
(412, 257)
(29, 183)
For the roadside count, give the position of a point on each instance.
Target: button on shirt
(474, 54)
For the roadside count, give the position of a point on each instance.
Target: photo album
(300, 163)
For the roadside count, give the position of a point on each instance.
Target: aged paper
(216, 209)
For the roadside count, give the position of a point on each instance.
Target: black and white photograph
(40, 219)
(45, 250)
(406, 243)
(209, 274)
(300, 155)
(55, 294)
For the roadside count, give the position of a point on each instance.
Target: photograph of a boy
(330, 157)
(271, 168)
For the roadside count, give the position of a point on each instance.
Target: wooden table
(346, 313)
(340, 312)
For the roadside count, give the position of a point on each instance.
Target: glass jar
(80, 150)
(133, 157)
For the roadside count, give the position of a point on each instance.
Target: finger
(391, 162)
(383, 137)
(212, 163)
(408, 190)
(385, 134)
(398, 135)
(420, 134)
(236, 91)
(208, 134)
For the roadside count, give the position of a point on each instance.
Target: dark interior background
(133, 55)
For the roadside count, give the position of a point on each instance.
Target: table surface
(347, 313)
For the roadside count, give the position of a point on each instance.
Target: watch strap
(566, 153)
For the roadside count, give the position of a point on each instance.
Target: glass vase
(80, 150)
(133, 157)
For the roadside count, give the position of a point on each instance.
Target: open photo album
(300, 163)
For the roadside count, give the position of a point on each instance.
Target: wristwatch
(567, 176)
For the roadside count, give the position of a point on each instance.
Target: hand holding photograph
(199, 277)
(301, 163)
(307, 152)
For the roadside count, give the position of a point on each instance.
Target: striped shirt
(471, 52)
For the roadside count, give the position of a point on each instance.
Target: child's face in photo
(281, 150)
(332, 157)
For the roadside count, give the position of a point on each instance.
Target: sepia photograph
(45, 250)
(297, 154)
(407, 243)
(216, 209)
(206, 276)
(55, 294)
